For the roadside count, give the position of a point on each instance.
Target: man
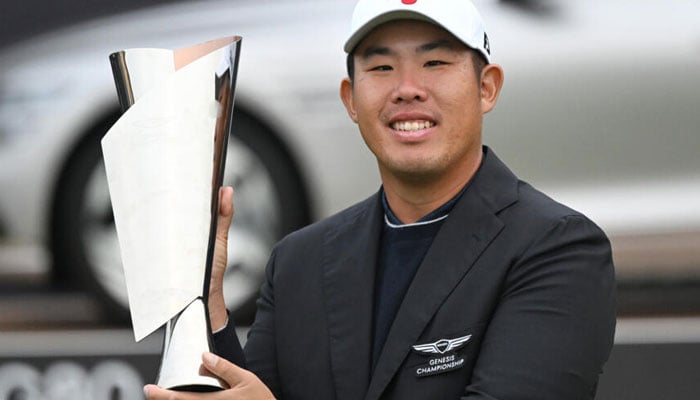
(456, 280)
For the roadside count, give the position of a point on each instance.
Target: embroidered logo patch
(442, 346)
(442, 363)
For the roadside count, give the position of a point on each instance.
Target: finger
(222, 228)
(153, 392)
(226, 205)
(230, 373)
(243, 384)
(217, 304)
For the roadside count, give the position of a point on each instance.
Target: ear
(346, 96)
(491, 83)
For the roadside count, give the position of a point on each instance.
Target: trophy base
(186, 338)
(196, 388)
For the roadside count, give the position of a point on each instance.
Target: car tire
(270, 198)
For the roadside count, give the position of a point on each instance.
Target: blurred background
(599, 110)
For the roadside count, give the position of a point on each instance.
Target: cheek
(463, 99)
(369, 105)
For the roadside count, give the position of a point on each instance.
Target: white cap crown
(459, 17)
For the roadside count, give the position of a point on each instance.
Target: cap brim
(394, 15)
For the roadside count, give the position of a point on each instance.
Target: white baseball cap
(459, 17)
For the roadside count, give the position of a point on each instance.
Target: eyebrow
(375, 51)
(424, 48)
(438, 44)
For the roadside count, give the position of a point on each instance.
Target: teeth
(412, 125)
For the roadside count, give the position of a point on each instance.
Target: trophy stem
(186, 338)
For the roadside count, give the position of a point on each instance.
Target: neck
(412, 198)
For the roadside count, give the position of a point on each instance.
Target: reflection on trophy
(164, 160)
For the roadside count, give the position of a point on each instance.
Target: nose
(409, 88)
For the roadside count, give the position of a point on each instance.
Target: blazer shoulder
(539, 205)
(539, 214)
(314, 233)
(515, 201)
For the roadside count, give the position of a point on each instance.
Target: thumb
(230, 373)
(225, 212)
(223, 224)
(243, 383)
(217, 304)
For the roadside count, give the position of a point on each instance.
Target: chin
(417, 170)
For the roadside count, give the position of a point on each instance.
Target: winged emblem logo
(442, 346)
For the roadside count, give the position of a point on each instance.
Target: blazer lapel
(350, 256)
(471, 226)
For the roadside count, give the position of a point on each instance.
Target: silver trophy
(164, 160)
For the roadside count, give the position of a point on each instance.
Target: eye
(381, 68)
(434, 63)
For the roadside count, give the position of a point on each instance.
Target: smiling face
(418, 102)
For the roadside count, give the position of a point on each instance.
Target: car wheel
(270, 201)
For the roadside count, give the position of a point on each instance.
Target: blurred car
(599, 109)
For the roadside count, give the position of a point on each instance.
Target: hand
(242, 384)
(217, 305)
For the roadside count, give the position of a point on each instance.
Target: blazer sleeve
(227, 345)
(260, 349)
(553, 329)
(259, 354)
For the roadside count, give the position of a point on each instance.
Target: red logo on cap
(409, 1)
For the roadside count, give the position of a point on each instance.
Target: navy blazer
(515, 299)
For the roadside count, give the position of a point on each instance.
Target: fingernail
(210, 359)
(145, 390)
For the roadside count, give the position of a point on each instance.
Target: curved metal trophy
(164, 160)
